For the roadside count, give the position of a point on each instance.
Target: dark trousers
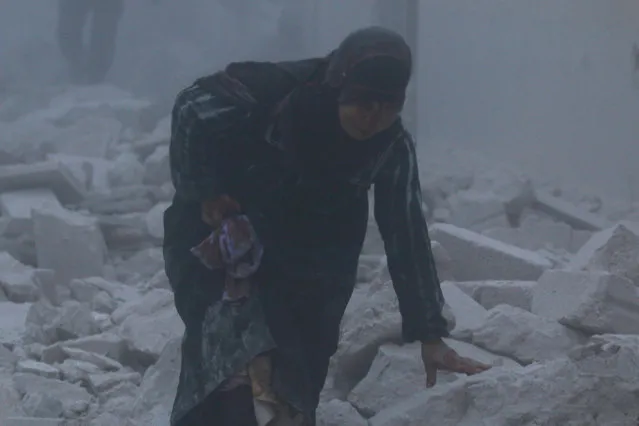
(230, 408)
(88, 62)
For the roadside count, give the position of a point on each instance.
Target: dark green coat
(312, 231)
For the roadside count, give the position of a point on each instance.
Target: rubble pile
(542, 288)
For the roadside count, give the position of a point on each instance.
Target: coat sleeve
(200, 124)
(202, 128)
(401, 221)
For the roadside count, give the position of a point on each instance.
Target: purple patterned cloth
(241, 251)
(235, 248)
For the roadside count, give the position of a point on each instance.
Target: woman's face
(363, 120)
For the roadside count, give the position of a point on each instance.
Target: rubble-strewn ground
(540, 283)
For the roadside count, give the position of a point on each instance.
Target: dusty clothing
(88, 62)
(214, 412)
(304, 190)
(234, 247)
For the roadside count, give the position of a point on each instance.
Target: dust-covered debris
(89, 332)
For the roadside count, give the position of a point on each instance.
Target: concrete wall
(547, 83)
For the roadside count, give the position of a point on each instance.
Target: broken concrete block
(158, 281)
(147, 335)
(39, 323)
(48, 174)
(380, 273)
(101, 295)
(121, 407)
(40, 405)
(373, 243)
(126, 392)
(537, 233)
(67, 393)
(21, 247)
(12, 322)
(588, 388)
(125, 232)
(593, 302)
(339, 413)
(107, 419)
(372, 267)
(34, 421)
(9, 399)
(372, 319)
(89, 101)
(147, 305)
(26, 141)
(8, 360)
(154, 116)
(7, 157)
(476, 257)
(75, 371)
(467, 313)
(157, 170)
(69, 243)
(31, 351)
(46, 324)
(492, 293)
(614, 250)
(155, 221)
(366, 266)
(160, 136)
(555, 207)
(50, 287)
(91, 172)
(126, 170)
(89, 137)
(443, 183)
(17, 281)
(166, 192)
(579, 239)
(159, 385)
(523, 336)
(16, 207)
(107, 344)
(515, 237)
(443, 262)
(103, 320)
(398, 373)
(121, 200)
(566, 212)
(101, 361)
(476, 210)
(38, 368)
(74, 320)
(86, 289)
(103, 382)
(105, 304)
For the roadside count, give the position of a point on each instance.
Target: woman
(272, 164)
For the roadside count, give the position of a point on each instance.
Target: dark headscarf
(302, 97)
(371, 64)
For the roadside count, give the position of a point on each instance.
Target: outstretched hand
(438, 356)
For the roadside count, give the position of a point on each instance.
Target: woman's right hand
(215, 211)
